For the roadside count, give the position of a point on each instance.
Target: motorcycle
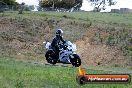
(66, 55)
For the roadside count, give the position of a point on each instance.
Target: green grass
(17, 74)
(113, 18)
(109, 18)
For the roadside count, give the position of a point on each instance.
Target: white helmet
(59, 32)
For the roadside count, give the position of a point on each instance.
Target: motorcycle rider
(57, 41)
(61, 51)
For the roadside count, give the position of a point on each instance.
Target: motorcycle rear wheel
(51, 60)
(49, 57)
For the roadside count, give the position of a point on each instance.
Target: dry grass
(22, 36)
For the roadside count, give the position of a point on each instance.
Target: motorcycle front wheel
(75, 60)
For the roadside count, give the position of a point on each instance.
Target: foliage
(101, 4)
(9, 2)
(60, 3)
(21, 8)
(29, 7)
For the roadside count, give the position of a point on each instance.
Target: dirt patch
(99, 55)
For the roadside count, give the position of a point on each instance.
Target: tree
(9, 2)
(21, 8)
(101, 4)
(66, 4)
(29, 7)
